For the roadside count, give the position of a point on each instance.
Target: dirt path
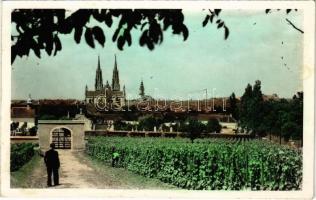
(77, 170)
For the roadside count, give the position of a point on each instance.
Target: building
(111, 95)
(23, 118)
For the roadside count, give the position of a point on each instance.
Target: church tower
(115, 78)
(141, 89)
(98, 77)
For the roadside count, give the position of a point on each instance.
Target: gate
(61, 137)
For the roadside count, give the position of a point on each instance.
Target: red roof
(22, 112)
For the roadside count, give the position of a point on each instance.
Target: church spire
(115, 77)
(99, 67)
(98, 77)
(141, 89)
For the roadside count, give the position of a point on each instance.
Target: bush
(213, 126)
(20, 154)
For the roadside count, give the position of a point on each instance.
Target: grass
(21, 178)
(125, 179)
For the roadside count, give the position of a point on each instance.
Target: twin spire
(99, 79)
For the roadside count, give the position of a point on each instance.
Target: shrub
(20, 154)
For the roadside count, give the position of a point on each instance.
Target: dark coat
(51, 159)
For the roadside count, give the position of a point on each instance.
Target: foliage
(213, 164)
(123, 126)
(282, 116)
(193, 128)
(40, 28)
(20, 154)
(233, 108)
(251, 108)
(33, 130)
(220, 23)
(213, 126)
(148, 122)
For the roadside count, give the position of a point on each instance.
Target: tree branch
(294, 26)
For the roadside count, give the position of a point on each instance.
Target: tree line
(271, 116)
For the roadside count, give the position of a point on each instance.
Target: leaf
(98, 16)
(35, 47)
(57, 44)
(217, 11)
(13, 53)
(220, 25)
(211, 18)
(143, 39)
(89, 37)
(78, 33)
(143, 25)
(98, 35)
(49, 44)
(128, 37)
(108, 20)
(185, 32)
(205, 20)
(226, 32)
(115, 34)
(120, 42)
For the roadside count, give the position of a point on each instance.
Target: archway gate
(65, 134)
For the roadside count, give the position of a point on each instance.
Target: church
(113, 94)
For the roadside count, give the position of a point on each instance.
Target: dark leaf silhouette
(120, 42)
(217, 11)
(108, 20)
(44, 25)
(206, 20)
(78, 33)
(98, 35)
(35, 48)
(220, 25)
(57, 44)
(211, 18)
(226, 32)
(115, 35)
(89, 38)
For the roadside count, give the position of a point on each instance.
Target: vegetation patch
(20, 154)
(205, 164)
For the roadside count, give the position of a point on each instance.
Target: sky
(177, 69)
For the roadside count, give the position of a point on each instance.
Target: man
(52, 164)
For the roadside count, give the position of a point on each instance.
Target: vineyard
(206, 164)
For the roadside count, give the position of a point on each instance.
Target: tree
(251, 110)
(213, 126)
(233, 106)
(39, 29)
(193, 128)
(148, 122)
(244, 107)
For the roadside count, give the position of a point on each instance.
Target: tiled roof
(22, 112)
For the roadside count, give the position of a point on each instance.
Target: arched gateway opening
(61, 137)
